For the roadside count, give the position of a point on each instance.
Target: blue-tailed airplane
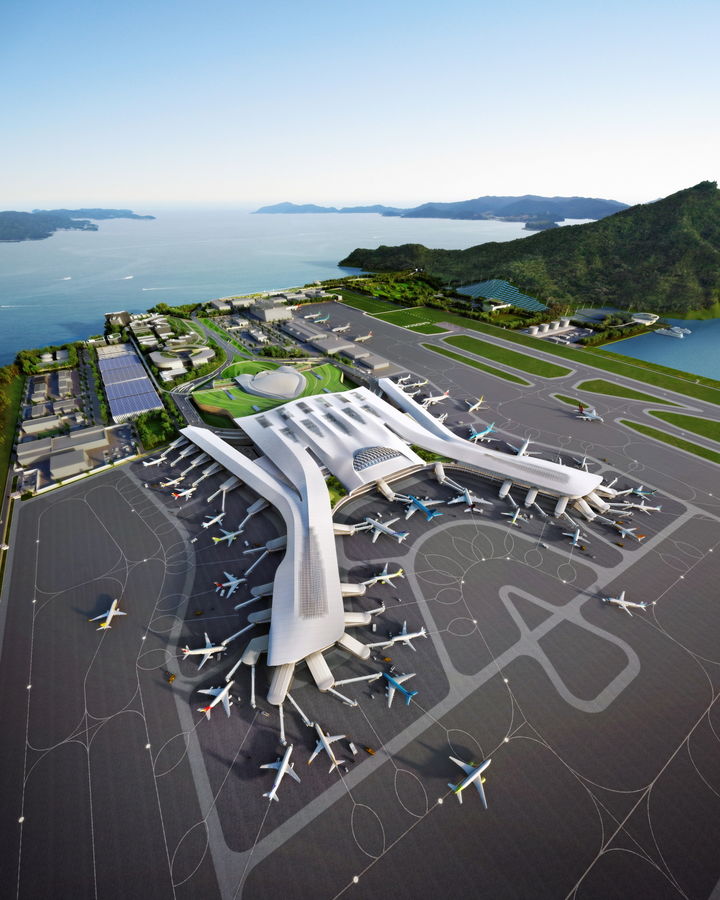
(413, 504)
(213, 520)
(322, 319)
(576, 538)
(640, 491)
(483, 435)
(473, 776)
(396, 684)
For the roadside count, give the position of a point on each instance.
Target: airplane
(206, 652)
(640, 491)
(221, 695)
(483, 435)
(315, 315)
(171, 482)
(284, 767)
(475, 506)
(396, 684)
(324, 741)
(232, 583)
(625, 604)
(156, 461)
(383, 577)
(412, 393)
(404, 379)
(215, 520)
(413, 504)
(108, 616)
(514, 516)
(473, 776)
(405, 637)
(588, 414)
(184, 495)
(522, 450)
(341, 329)
(575, 537)
(474, 405)
(363, 338)
(630, 532)
(228, 536)
(469, 499)
(646, 509)
(322, 319)
(442, 418)
(431, 401)
(417, 384)
(379, 528)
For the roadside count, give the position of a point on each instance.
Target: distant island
(41, 223)
(539, 213)
(660, 257)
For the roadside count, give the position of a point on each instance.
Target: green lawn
(571, 401)
(367, 304)
(498, 373)
(8, 423)
(666, 438)
(411, 316)
(226, 395)
(248, 367)
(521, 361)
(601, 386)
(709, 428)
(427, 329)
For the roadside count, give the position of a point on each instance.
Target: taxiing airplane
(473, 776)
(514, 516)
(363, 337)
(214, 520)
(396, 684)
(324, 742)
(383, 577)
(206, 652)
(640, 491)
(283, 767)
(413, 504)
(624, 604)
(341, 329)
(228, 536)
(522, 450)
(108, 616)
(483, 435)
(469, 499)
(405, 637)
(221, 695)
(474, 405)
(232, 583)
(630, 532)
(431, 401)
(575, 537)
(184, 495)
(588, 414)
(379, 528)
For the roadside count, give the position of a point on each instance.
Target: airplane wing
(318, 748)
(212, 692)
(275, 765)
(481, 790)
(335, 737)
(622, 596)
(226, 702)
(410, 511)
(622, 606)
(390, 694)
(376, 534)
(467, 769)
(97, 618)
(119, 612)
(391, 521)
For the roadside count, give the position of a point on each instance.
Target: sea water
(58, 289)
(698, 352)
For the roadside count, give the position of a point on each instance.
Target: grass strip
(709, 428)
(601, 386)
(688, 446)
(12, 394)
(476, 365)
(367, 304)
(427, 329)
(521, 361)
(571, 401)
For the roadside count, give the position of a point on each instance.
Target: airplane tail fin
(206, 710)
(271, 795)
(409, 696)
(457, 793)
(103, 625)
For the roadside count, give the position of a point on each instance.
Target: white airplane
(214, 520)
(379, 528)
(624, 604)
(395, 683)
(417, 384)
(575, 537)
(431, 401)
(206, 652)
(315, 315)
(514, 516)
(644, 508)
(483, 435)
(221, 695)
(108, 616)
(324, 741)
(442, 418)
(469, 499)
(341, 329)
(412, 393)
(171, 482)
(473, 776)
(474, 405)
(588, 414)
(232, 583)
(405, 637)
(228, 536)
(640, 491)
(283, 767)
(522, 450)
(384, 577)
(404, 379)
(154, 462)
(363, 338)
(630, 532)
(186, 494)
(413, 504)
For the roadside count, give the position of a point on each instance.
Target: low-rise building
(68, 463)
(220, 305)
(118, 318)
(374, 363)
(271, 310)
(330, 344)
(256, 335)
(40, 424)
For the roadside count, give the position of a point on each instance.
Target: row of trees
(28, 361)
(155, 427)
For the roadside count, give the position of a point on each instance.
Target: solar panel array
(495, 289)
(128, 388)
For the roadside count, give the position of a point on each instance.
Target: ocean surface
(57, 290)
(698, 352)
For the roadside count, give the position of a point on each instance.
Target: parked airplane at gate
(404, 379)
(108, 616)
(640, 491)
(483, 435)
(431, 401)
(228, 536)
(324, 742)
(522, 450)
(171, 482)
(379, 528)
(413, 504)
(514, 516)
(588, 414)
(206, 652)
(322, 319)
(412, 393)
(364, 337)
(221, 695)
(624, 604)
(214, 520)
(575, 537)
(417, 384)
(232, 583)
(405, 637)
(315, 315)
(630, 532)
(156, 461)
(473, 776)
(474, 405)
(186, 494)
(341, 329)
(283, 767)
(644, 508)
(396, 684)
(383, 577)
(469, 499)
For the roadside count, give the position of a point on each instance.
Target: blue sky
(175, 103)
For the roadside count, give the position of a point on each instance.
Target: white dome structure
(283, 383)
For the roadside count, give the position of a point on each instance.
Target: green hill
(662, 256)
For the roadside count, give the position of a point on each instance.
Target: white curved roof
(283, 383)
